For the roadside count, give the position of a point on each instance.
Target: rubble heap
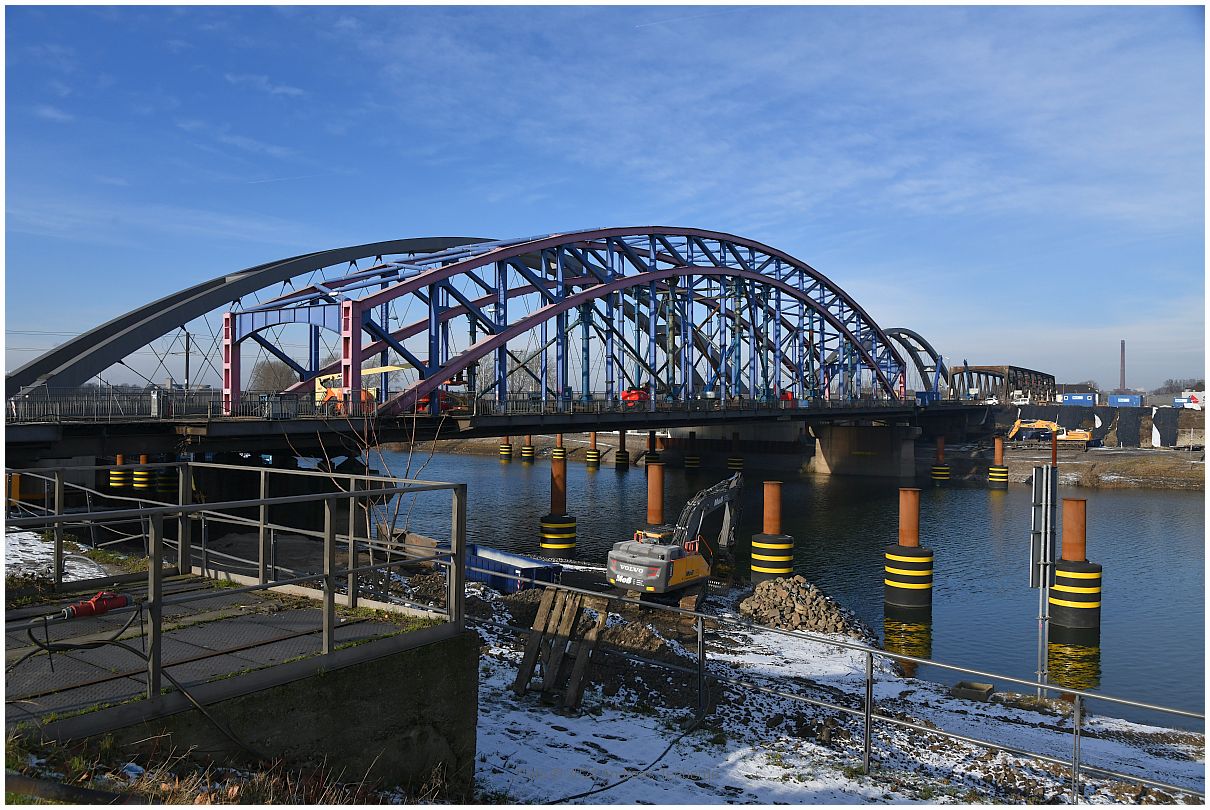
(795, 604)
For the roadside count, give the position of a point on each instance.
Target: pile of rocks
(795, 604)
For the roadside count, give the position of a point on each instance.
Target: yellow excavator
(1041, 429)
(675, 562)
(329, 390)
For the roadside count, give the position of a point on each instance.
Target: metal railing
(73, 405)
(1075, 764)
(184, 514)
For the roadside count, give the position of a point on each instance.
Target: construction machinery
(326, 392)
(1042, 429)
(677, 561)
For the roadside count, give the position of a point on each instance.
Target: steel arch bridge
(678, 314)
(924, 357)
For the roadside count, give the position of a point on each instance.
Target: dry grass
(174, 777)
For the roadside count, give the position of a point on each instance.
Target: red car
(633, 397)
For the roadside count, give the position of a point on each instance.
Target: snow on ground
(27, 552)
(757, 747)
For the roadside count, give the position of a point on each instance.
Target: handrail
(453, 559)
(1076, 765)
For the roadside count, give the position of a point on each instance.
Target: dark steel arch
(916, 344)
(77, 360)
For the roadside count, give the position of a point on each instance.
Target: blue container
(495, 562)
(1126, 400)
(923, 398)
(1079, 399)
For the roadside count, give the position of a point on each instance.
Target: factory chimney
(1122, 381)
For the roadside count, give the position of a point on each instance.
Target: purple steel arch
(407, 399)
(869, 341)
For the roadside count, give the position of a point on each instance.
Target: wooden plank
(558, 643)
(575, 684)
(534, 644)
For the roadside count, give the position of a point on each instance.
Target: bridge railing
(169, 524)
(75, 405)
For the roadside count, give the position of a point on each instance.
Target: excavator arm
(723, 495)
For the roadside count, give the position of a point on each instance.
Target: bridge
(613, 328)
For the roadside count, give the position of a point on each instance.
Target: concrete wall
(395, 719)
(868, 450)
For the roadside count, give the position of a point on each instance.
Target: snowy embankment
(756, 747)
(28, 553)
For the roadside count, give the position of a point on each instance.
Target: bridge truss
(675, 313)
(679, 314)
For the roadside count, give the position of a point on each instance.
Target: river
(1150, 542)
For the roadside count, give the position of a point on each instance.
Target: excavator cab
(675, 558)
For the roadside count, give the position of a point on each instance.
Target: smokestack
(1122, 381)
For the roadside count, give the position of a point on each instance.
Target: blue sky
(1021, 185)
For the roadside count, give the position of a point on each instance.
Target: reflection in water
(908, 632)
(1074, 665)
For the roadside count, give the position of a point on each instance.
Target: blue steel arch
(803, 315)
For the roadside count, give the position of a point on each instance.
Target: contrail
(692, 17)
(299, 177)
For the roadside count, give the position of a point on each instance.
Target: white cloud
(262, 83)
(254, 146)
(106, 221)
(50, 113)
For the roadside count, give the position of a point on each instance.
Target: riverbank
(635, 742)
(1116, 468)
(1096, 468)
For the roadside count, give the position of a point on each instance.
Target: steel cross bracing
(681, 313)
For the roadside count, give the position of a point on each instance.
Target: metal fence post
(352, 578)
(457, 567)
(329, 607)
(273, 552)
(262, 534)
(701, 667)
(59, 509)
(155, 595)
(1077, 717)
(869, 710)
(184, 539)
(205, 550)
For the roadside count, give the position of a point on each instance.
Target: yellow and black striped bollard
(558, 534)
(997, 473)
(142, 477)
(119, 478)
(735, 463)
(592, 457)
(621, 459)
(772, 551)
(165, 484)
(527, 454)
(908, 569)
(558, 529)
(940, 472)
(506, 452)
(1075, 596)
(693, 462)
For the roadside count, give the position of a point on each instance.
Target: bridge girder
(582, 269)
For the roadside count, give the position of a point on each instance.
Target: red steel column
(655, 494)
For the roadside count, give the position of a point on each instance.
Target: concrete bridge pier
(885, 451)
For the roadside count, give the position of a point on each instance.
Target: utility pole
(186, 360)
